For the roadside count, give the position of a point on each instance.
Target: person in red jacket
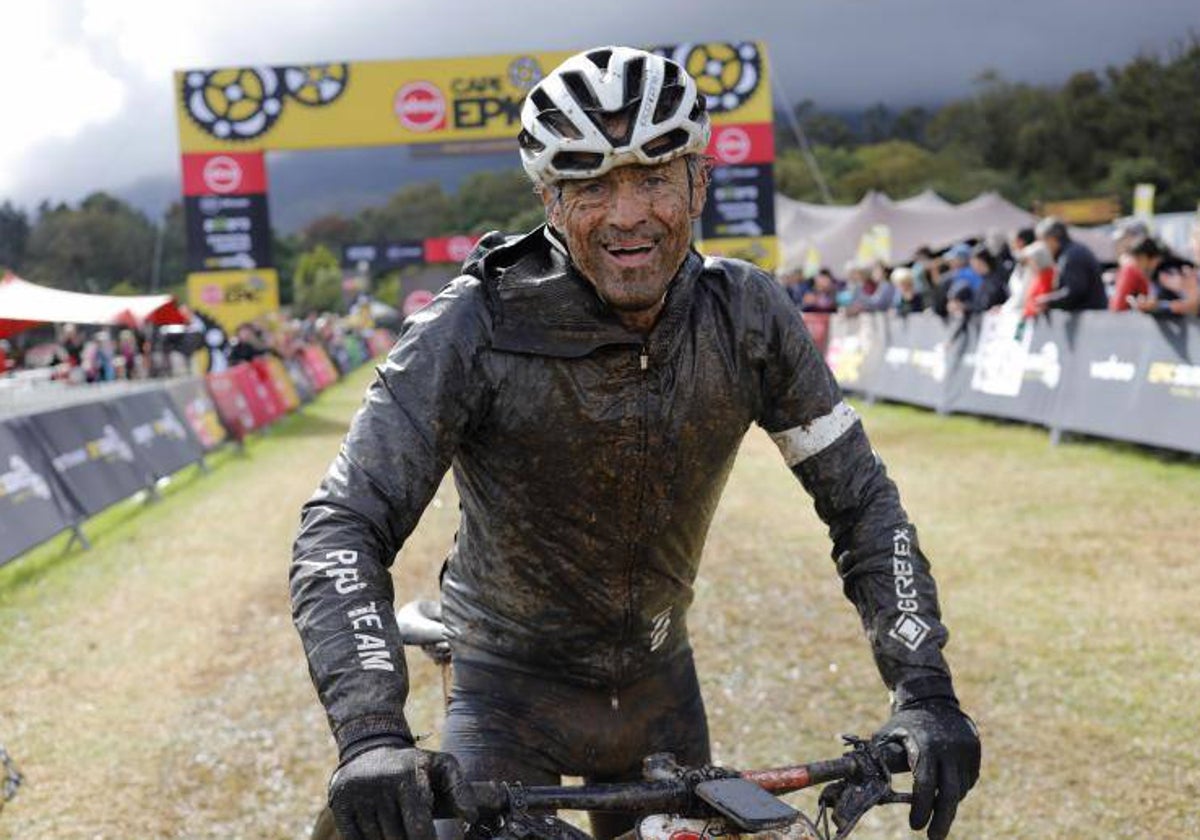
(1041, 267)
(1131, 282)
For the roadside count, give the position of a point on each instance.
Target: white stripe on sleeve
(802, 442)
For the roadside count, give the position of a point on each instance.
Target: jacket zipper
(635, 546)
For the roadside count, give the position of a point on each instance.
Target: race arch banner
(228, 117)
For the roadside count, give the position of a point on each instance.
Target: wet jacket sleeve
(399, 446)
(875, 547)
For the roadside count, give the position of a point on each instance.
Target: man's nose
(629, 207)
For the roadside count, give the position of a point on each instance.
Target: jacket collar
(542, 305)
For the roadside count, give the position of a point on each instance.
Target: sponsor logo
(524, 72)
(1112, 369)
(222, 174)
(932, 363)
(1174, 375)
(167, 425)
(21, 482)
(372, 651)
(910, 631)
(660, 628)
(726, 74)
(458, 248)
(732, 145)
(421, 107)
(110, 446)
(242, 103)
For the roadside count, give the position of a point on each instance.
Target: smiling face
(628, 232)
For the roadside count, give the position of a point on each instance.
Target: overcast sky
(87, 103)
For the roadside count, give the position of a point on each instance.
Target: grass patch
(155, 682)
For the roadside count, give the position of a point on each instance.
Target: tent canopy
(925, 219)
(24, 304)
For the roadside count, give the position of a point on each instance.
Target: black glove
(388, 793)
(943, 751)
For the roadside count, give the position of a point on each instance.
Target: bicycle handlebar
(673, 795)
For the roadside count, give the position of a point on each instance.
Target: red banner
(231, 403)
(449, 249)
(225, 173)
(731, 145)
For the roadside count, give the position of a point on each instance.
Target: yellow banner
(763, 251)
(234, 297)
(374, 103)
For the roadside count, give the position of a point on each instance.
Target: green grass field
(154, 686)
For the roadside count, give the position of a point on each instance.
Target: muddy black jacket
(589, 461)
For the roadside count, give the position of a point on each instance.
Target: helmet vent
(560, 124)
(669, 142)
(577, 161)
(635, 74)
(668, 102)
(581, 90)
(600, 58)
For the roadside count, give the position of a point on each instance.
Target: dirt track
(154, 687)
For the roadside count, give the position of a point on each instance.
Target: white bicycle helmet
(610, 107)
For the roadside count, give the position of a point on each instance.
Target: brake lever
(848, 799)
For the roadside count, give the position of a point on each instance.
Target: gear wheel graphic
(315, 84)
(727, 74)
(233, 104)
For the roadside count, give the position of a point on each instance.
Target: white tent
(835, 232)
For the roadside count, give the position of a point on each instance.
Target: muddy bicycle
(671, 802)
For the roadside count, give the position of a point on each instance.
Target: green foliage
(92, 247)
(14, 235)
(1099, 133)
(317, 282)
(388, 289)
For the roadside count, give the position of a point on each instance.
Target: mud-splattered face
(628, 231)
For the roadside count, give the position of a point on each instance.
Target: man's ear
(699, 191)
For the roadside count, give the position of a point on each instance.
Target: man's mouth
(631, 254)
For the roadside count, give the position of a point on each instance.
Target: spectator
(796, 286)
(72, 345)
(1020, 278)
(849, 297)
(1173, 284)
(993, 290)
(908, 299)
(878, 292)
(246, 346)
(963, 282)
(1039, 265)
(997, 246)
(1131, 283)
(822, 297)
(1079, 284)
(929, 278)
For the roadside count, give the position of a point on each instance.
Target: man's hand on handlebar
(388, 793)
(943, 751)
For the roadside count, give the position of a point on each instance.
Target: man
(1079, 283)
(1173, 288)
(590, 384)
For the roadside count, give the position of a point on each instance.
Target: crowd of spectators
(1029, 272)
(77, 354)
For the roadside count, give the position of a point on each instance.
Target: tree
(91, 248)
(485, 200)
(317, 282)
(14, 236)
